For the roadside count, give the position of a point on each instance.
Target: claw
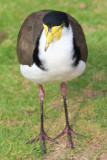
(42, 136)
(67, 130)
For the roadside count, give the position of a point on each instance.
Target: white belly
(57, 60)
(36, 75)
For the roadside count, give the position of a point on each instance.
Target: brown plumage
(30, 31)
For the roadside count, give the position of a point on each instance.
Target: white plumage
(58, 60)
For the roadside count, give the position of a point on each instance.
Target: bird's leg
(41, 96)
(42, 134)
(67, 128)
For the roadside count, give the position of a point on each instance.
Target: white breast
(58, 57)
(57, 60)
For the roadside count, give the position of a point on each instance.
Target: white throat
(59, 52)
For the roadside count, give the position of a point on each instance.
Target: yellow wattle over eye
(62, 26)
(46, 29)
(57, 32)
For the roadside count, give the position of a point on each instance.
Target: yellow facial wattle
(55, 31)
(46, 29)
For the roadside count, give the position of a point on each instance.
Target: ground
(86, 95)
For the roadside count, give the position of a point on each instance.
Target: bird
(51, 46)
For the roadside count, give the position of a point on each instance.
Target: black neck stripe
(77, 54)
(36, 59)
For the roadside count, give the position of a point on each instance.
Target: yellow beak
(56, 31)
(49, 37)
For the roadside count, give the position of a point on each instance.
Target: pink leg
(42, 134)
(67, 128)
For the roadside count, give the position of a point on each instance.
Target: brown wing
(30, 31)
(79, 38)
(28, 35)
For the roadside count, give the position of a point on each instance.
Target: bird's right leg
(42, 134)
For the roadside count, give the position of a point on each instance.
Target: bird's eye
(62, 26)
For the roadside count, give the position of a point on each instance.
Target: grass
(87, 100)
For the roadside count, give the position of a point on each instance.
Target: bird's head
(53, 24)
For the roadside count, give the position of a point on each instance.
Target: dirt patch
(82, 6)
(3, 36)
(57, 103)
(59, 150)
(78, 99)
(27, 158)
(98, 76)
(26, 85)
(92, 150)
(103, 156)
(11, 122)
(91, 93)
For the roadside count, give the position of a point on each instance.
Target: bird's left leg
(67, 130)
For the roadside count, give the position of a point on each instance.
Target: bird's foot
(67, 130)
(42, 136)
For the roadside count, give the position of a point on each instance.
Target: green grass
(87, 100)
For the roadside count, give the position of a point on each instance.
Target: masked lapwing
(51, 46)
